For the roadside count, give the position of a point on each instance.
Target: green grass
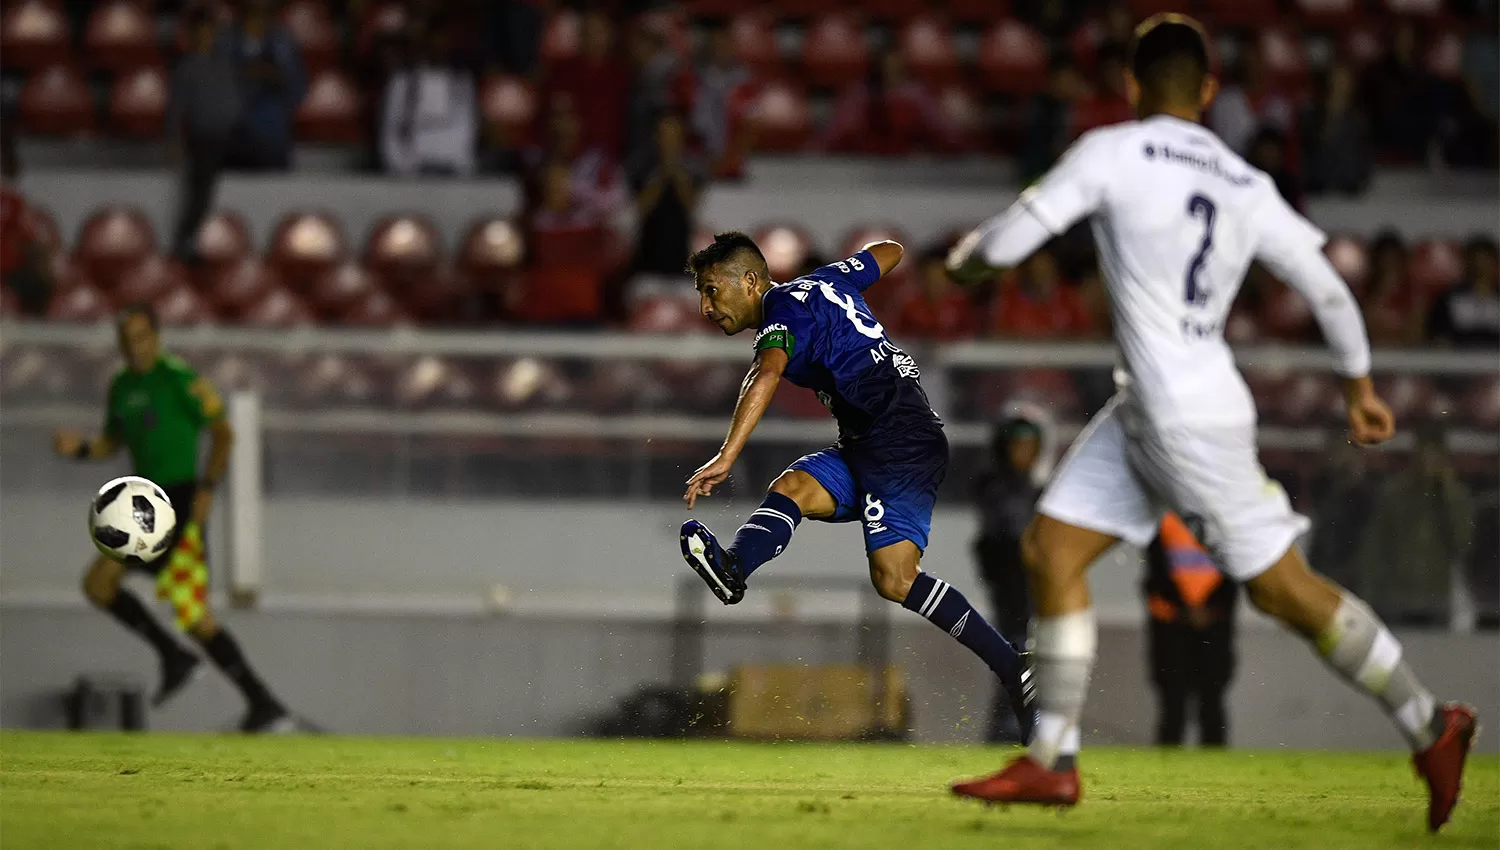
(329, 793)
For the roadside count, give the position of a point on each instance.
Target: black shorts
(181, 496)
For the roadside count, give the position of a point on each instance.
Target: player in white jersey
(1178, 218)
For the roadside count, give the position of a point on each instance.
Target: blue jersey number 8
(866, 325)
(1200, 207)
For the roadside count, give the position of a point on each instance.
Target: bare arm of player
(71, 444)
(220, 444)
(887, 254)
(1003, 242)
(755, 397)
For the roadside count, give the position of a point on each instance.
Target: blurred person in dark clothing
(203, 122)
(1268, 152)
(596, 84)
(1336, 133)
(271, 85)
(1050, 117)
(721, 78)
(1191, 638)
(514, 30)
(661, 82)
(1468, 315)
(1343, 500)
(564, 280)
(1418, 534)
(1006, 494)
(25, 267)
(1482, 567)
(596, 182)
(891, 113)
(1390, 301)
(1398, 94)
(667, 185)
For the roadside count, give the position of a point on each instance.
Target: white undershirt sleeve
(1291, 247)
(1010, 237)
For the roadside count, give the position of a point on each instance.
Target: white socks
(1362, 650)
(1063, 651)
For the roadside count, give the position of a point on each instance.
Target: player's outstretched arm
(755, 396)
(1003, 242)
(71, 444)
(887, 254)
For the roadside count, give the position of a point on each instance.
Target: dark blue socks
(941, 603)
(765, 534)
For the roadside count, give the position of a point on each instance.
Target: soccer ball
(131, 520)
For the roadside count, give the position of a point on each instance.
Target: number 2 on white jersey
(873, 330)
(1200, 207)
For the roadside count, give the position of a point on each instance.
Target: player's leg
(811, 488)
(102, 587)
(1165, 652)
(1359, 647)
(1213, 668)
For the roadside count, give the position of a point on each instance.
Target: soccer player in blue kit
(818, 332)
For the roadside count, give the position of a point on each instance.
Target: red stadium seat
(33, 34)
(224, 240)
(1436, 265)
(338, 289)
(1445, 56)
(56, 101)
(1049, 388)
(120, 34)
(1347, 254)
(242, 285)
(966, 115)
(1240, 13)
(138, 103)
(435, 297)
(977, 11)
(666, 314)
(1328, 14)
(528, 383)
(112, 241)
(331, 111)
(402, 249)
(381, 20)
(277, 308)
(495, 244)
(180, 305)
(1482, 404)
(1414, 8)
(375, 308)
(82, 303)
(562, 37)
(331, 379)
(1286, 315)
(786, 248)
(926, 44)
(781, 117)
(435, 382)
(1306, 397)
(304, 246)
(1285, 57)
(44, 227)
(148, 280)
(1241, 328)
(834, 51)
(508, 106)
(1363, 43)
(755, 42)
(1013, 59)
(315, 33)
(1407, 395)
(10, 304)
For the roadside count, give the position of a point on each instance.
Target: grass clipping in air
(202, 791)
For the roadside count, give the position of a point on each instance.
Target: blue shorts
(889, 486)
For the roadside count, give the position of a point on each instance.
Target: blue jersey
(836, 348)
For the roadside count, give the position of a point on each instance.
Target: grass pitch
(199, 791)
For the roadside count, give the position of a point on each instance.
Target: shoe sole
(695, 552)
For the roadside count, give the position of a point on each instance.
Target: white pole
(245, 496)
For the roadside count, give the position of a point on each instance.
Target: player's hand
(66, 442)
(1370, 420)
(203, 502)
(709, 474)
(964, 265)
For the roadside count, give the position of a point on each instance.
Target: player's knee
(803, 489)
(893, 577)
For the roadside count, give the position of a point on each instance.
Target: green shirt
(158, 415)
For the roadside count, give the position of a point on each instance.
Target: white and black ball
(131, 520)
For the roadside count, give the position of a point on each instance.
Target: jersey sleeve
(201, 400)
(859, 271)
(114, 425)
(788, 325)
(1075, 186)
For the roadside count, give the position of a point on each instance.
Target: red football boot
(1024, 781)
(1442, 764)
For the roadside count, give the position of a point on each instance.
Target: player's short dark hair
(139, 308)
(1482, 244)
(725, 247)
(1169, 51)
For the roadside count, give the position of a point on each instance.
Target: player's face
(139, 343)
(729, 302)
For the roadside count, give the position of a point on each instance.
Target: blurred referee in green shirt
(158, 406)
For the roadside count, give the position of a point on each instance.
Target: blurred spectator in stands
(429, 120)
(1268, 152)
(1418, 534)
(203, 124)
(1106, 103)
(1336, 135)
(1482, 567)
(1006, 493)
(564, 279)
(667, 182)
(1036, 303)
(1343, 498)
(721, 76)
(1468, 315)
(891, 113)
(1481, 77)
(1392, 313)
(596, 83)
(514, 33)
(1398, 91)
(271, 86)
(1191, 638)
(661, 82)
(596, 181)
(1248, 103)
(939, 309)
(1050, 116)
(25, 268)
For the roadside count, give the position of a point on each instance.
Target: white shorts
(1121, 474)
